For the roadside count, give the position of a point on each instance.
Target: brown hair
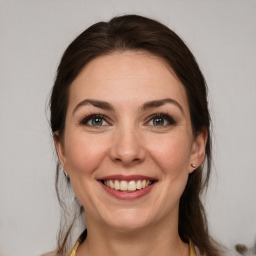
(136, 33)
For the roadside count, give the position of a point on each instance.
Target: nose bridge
(127, 146)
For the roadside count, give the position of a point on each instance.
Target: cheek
(84, 153)
(172, 154)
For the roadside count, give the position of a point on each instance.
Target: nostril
(127, 149)
(128, 159)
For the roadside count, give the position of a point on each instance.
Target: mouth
(128, 185)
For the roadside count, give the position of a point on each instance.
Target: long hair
(137, 33)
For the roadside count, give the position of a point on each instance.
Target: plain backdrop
(33, 36)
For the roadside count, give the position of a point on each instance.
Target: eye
(161, 120)
(94, 120)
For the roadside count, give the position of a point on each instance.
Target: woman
(131, 128)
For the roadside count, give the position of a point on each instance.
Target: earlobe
(60, 149)
(198, 150)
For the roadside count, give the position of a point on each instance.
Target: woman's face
(128, 144)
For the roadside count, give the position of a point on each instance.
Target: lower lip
(128, 195)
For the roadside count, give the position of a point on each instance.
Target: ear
(59, 145)
(198, 149)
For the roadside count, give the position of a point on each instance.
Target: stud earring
(193, 165)
(66, 175)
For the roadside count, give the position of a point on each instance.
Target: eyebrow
(146, 106)
(158, 103)
(95, 103)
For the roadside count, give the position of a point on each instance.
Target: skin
(128, 142)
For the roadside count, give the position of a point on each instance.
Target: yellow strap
(192, 251)
(73, 252)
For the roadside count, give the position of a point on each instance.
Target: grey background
(33, 36)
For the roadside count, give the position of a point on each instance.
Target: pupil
(159, 121)
(97, 121)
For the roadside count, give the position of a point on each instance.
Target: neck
(160, 239)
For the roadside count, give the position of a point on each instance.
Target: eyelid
(87, 118)
(167, 117)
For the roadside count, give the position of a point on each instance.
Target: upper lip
(126, 177)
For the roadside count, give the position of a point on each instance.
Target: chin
(127, 221)
(127, 227)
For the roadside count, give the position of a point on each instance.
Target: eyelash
(165, 117)
(91, 117)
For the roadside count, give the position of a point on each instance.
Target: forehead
(127, 76)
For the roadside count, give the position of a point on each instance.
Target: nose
(127, 147)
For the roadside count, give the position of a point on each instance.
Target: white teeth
(112, 184)
(139, 186)
(117, 185)
(124, 185)
(132, 185)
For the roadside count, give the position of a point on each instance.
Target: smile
(127, 186)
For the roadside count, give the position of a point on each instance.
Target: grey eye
(158, 121)
(96, 121)
(161, 120)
